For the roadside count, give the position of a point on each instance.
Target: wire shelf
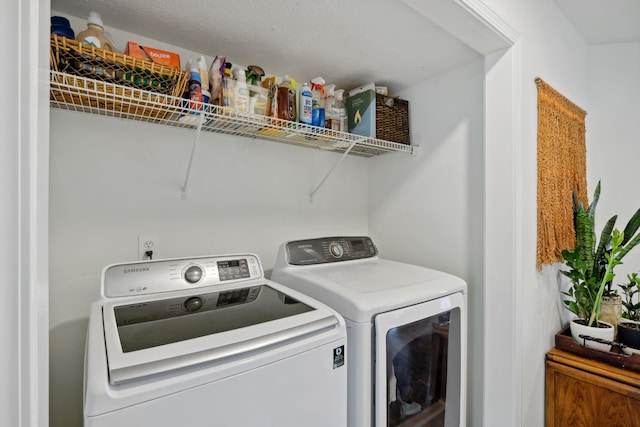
(71, 92)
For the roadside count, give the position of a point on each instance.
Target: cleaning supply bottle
(304, 104)
(339, 113)
(317, 102)
(228, 88)
(227, 69)
(94, 34)
(195, 86)
(204, 73)
(287, 104)
(329, 102)
(241, 93)
(271, 108)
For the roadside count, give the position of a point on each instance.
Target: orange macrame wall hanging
(562, 168)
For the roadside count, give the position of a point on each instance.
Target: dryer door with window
(419, 364)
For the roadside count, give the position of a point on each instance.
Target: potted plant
(591, 265)
(629, 327)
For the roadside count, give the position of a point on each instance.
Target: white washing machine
(209, 341)
(406, 329)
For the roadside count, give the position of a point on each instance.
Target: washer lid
(360, 289)
(148, 335)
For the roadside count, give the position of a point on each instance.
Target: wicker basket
(392, 119)
(126, 78)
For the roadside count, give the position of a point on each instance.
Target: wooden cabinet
(585, 393)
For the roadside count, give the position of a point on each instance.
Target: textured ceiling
(346, 42)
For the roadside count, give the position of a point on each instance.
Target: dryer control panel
(329, 249)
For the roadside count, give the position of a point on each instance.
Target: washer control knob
(193, 304)
(336, 249)
(193, 274)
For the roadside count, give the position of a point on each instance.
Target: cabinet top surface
(586, 364)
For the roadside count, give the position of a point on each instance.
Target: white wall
(10, 224)
(427, 209)
(113, 180)
(23, 216)
(554, 51)
(613, 137)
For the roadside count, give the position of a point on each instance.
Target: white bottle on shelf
(204, 73)
(94, 34)
(329, 103)
(339, 112)
(241, 93)
(304, 101)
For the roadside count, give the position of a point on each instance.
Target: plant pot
(603, 331)
(611, 311)
(629, 335)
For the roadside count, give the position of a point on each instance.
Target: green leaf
(594, 202)
(603, 247)
(630, 245)
(632, 227)
(573, 307)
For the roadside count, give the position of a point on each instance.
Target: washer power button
(336, 249)
(193, 274)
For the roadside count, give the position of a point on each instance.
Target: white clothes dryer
(406, 329)
(209, 341)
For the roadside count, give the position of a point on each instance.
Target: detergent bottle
(94, 34)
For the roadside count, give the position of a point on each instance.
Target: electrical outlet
(147, 243)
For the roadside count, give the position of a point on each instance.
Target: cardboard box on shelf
(158, 56)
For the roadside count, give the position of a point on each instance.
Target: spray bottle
(339, 113)
(317, 102)
(329, 102)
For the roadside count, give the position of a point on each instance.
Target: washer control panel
(149, 277)
(329, 249)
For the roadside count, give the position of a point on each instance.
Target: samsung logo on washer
(135, 270)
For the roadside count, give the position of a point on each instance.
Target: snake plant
(591, 262)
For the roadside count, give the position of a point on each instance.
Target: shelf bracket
(346, 152)
(183, 192)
